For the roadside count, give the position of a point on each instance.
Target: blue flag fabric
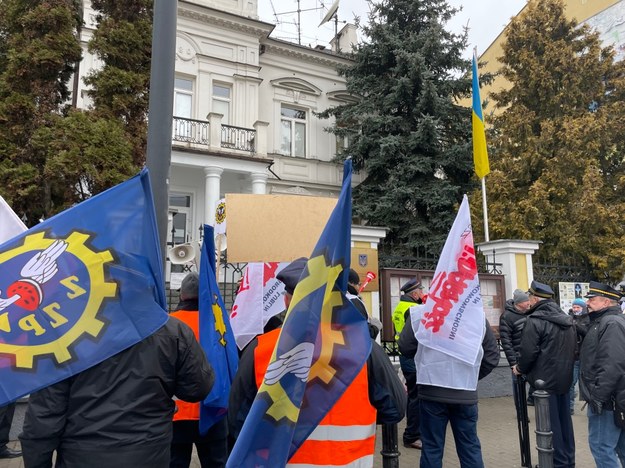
(323, 345)
(79, 288)
(216, 337)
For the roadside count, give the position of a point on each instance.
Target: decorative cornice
(224, 20)
(306, 54)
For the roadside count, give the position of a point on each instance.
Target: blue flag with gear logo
(323, 345)
(216, 337)
(79, 288)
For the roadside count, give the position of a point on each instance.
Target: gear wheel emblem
(44, 310)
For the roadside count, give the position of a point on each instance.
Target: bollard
(390, 450)
(544, 443)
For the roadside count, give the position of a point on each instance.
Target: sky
(485, 18)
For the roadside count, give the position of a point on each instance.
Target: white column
(212, 180)
(261, 137)
(515, 260)
(259, 183)
(214, 123)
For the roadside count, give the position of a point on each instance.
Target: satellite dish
(331, 12)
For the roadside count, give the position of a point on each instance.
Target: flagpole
(485, 210)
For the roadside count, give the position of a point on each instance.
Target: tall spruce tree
(557, 152)
(123, 42)
(405, 128)
(37, 59)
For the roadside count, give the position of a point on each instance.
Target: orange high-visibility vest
(188, 410)
(346, 435)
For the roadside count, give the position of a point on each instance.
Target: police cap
(541, 290)
(411, 285)
(600, 289)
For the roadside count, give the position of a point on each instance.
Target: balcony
(203, 133)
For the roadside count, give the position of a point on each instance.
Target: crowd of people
(141, 408)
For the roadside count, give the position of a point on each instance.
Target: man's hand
(515, 370)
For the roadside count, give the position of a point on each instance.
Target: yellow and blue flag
(480, 153)
(79, 288)
(216, 337)
(323, 345)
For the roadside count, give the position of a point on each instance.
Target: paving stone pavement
(497, 429)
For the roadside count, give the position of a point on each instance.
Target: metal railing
(238, 138)
(191, 131)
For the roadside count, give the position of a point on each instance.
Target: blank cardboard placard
(274, 228)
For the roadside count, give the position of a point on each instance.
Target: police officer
(601, 368)
(412, 295)
(547, 353)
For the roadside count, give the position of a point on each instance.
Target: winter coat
(581, 322)
(119, 412)
(547, 349)
(511, 325)
(602, 357)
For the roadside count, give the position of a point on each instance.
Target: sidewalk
(497, 429)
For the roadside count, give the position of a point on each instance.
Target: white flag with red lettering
(259, 298)
(452, 318)
(10, 224)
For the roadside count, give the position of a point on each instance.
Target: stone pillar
(214, 124)
(514, 259)
(212, 192)
(259, 183)
(260, 145)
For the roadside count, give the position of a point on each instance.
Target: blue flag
(79, 288)
(216, 337)
(323, 345)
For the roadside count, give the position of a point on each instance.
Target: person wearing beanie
(212, 448)
(579, 312)
(511, 324)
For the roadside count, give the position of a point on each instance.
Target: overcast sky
(486, 18)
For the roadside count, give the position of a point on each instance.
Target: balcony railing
(238, 138)
(198, 132)
(191, 131)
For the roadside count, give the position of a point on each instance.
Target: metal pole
(544, 443)
(161, 107)
(390, 449)
(522, 422)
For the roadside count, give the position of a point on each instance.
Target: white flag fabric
(452, 320)
(259, 298)
(10, 224)
(442, 370)
(220, 218)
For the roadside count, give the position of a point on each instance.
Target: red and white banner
(10, 224)
(259, 298)
(452, 319)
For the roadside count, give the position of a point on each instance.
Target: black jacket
(602, 357)
(408, 345)
(386, 392)
(119, 412)
(547, 347)
(581, 322)
(511, 325)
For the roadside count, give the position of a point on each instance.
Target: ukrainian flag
(480, 154)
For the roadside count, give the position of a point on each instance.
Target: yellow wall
(581, 10)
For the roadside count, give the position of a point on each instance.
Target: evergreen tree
(405, 129)
(37, 58)
(123, 42)
(557, 147)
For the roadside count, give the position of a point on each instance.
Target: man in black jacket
(450, 405)
(602, 366)
(119, 412)
(511, 325)
(547, 352)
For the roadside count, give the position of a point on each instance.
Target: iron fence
(238, 138)
(191, 131)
